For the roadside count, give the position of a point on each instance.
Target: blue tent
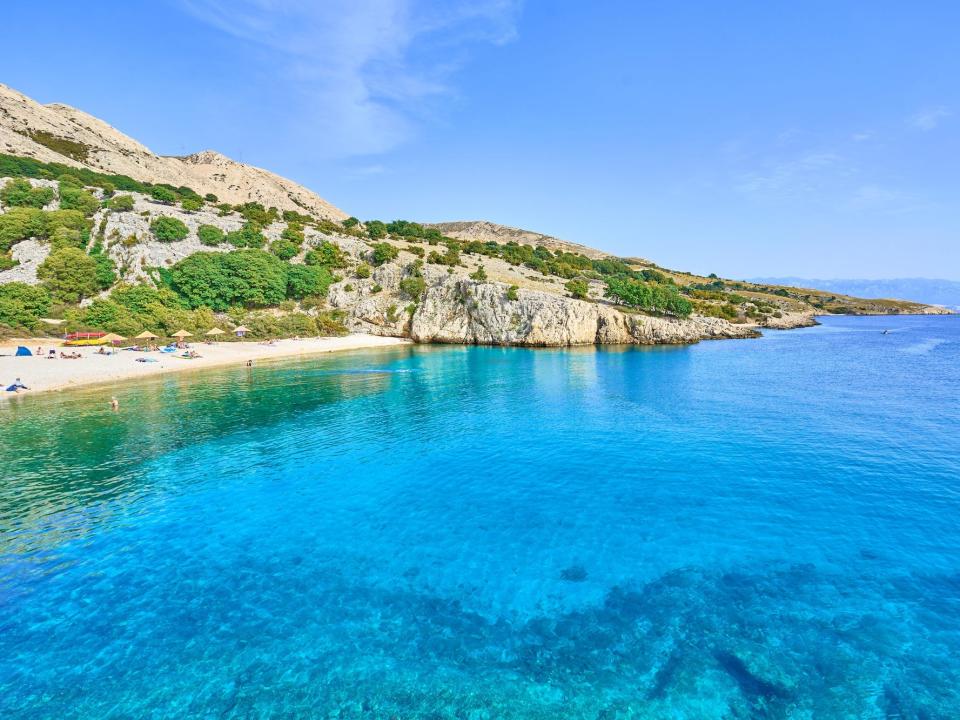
(23, 351)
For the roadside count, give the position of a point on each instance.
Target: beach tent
(146, 335)
(21, 350)
(214, 331)
(241, 330)
(182, 334)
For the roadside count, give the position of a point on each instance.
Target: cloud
(797, 176)
(361, 73)
(929, 118)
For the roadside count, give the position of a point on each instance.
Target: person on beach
(114, 404)
(17, 386)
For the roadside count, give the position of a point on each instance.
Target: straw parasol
(111, 338)
(146, 335)
(214, 331)
(182, 334)
(240, 330)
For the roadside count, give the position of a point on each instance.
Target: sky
(817, 139)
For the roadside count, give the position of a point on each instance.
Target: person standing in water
(114, 404)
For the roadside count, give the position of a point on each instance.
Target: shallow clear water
(736, 529)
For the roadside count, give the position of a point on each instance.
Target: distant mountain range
(934, 292)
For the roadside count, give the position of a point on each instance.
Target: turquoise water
(737, 529)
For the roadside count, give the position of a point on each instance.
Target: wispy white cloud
(361, 71)
(796, 176)
(929, 118)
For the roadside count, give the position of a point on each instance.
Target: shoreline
(43, 376)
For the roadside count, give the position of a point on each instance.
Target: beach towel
(21, 350)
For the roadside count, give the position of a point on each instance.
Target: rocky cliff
(62, 134)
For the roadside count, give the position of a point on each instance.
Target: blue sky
(754, 138)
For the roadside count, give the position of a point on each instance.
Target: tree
(210, 235)
(191, 204)
(250, 278)
(350, 222)
(306, 281)
(69, 274)
(20, 193)
(413, 287)
(163, 195)
(383, 253)
(578, 289)
(139, 298)
(23, 305)
(169, 229)
(121, 203)
(376, 229)
(66, 237)
(20, 223)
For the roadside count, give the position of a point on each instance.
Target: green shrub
(376, 289)
(480, 275)
(306, 280)
(513, 292)
(66, 237)
(64, 146)
(383, 253)
(191, 204)
(74, 198)
(210, 235)
(351, 222)
(20, 223)
(653, 297)
(22, 305)
(69, 274)
(376, 230)
(121, 203)
(413, 287)
(211, 198)
(163, 195)
(20, 193)
(249, 236)
(249, 278)
(327, 254)
(363, 271)
(284, 249)
(169, 229)
(578, 289)
(69, 180)
(293, 233)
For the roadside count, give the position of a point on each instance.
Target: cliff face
(30, 129)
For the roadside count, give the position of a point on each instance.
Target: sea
(763, 528)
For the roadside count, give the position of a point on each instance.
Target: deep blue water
(736, 529)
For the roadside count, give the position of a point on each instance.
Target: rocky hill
(62, 134)
(100, 233)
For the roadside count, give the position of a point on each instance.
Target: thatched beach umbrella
(146, 335)
(240, 330)
(214, 331)
(182, 334)
(112, 338)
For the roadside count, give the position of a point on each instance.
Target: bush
(513, 292)
(363, 271)
(284, 249)
(351, 222)
(163, 195)
(20, 223)
(210, 235)
(69, 180)
(169, 229)
(73, 198)
(413, 287)
(66, 237)
(69, 275)
(211, 198)
(305, 281)
(139, 298)
(383, 253)
(20, 193)
(191, 204)
(249, 236)
(249, 278)
(327, 254)
(293, 233)
(578, 289)
(121, 203)
(22, 305)
(376, 229)
(480, 275)
(654, 297)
